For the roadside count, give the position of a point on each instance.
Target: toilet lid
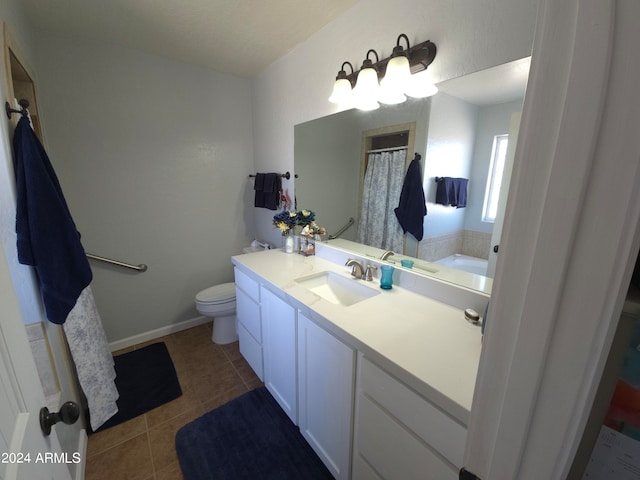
(217, 293)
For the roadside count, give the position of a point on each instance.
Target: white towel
(92, 357)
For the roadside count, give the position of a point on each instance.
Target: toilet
(219, 302)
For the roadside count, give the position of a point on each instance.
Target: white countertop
(425, 343)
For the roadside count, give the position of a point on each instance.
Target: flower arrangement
(306, 217)
(287, 220)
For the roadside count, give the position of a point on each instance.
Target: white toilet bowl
(219, 302)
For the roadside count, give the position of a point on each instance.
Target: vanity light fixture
(388, 80)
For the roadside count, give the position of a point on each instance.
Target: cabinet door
(399, 434)
(249, 330)
(279, 350)
(325, 393)
(392, 450)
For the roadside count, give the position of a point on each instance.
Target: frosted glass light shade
(398, 74)
(420, 86)
(391, 96)
(341, 94)
(395, 81)
(365, 93)
(367, 104)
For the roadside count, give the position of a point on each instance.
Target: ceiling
(499, 84)
(238, 37)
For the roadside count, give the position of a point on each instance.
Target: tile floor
(144, 448)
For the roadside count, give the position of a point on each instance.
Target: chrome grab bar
(140, 268)
(343, 229)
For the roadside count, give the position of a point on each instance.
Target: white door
(26, 454)
(571, 238)
(19, 83)
(514, 127)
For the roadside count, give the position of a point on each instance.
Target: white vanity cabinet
(249, 320)
(279, 351)
(400, 435)
(326, 370)
(370, 409)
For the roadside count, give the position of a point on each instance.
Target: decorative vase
(288, 243)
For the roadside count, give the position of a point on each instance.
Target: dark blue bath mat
(145, 379)
(249, 438)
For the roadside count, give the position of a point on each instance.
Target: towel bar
(283, 175)
(140, 268)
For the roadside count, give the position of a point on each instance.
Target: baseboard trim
(157, 333)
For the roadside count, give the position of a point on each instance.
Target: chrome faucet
(369, 273)
(356, 268)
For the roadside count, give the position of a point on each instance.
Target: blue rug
(249, 438)
(145, 379)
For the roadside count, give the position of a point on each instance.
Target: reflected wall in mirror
(467, 130)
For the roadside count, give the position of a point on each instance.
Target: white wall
(470, 36)
(153, 157)
(452, 134)
(492, 120)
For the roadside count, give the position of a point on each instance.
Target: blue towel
(412, 206)
(47, 237)
(452, 191)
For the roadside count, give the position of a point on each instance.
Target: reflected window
(494, 179)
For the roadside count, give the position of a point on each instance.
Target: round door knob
(68, 414)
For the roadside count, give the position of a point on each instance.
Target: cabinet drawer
(248, 313)
(441, 432)
(251, 350)
(388, 448)
(246, 283)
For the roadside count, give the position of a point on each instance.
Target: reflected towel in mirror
(452, 192)
(412, 206)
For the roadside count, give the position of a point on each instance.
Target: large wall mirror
(467, 130)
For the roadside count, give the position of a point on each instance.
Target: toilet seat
(218, 294)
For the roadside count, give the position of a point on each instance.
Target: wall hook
(22, 102)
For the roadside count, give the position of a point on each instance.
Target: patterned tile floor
(144, 448)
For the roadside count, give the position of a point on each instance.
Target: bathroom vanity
(380, 382)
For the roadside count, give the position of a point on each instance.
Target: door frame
(571, 237)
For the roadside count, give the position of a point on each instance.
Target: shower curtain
(378, 225)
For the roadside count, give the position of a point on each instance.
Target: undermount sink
(337, 289)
